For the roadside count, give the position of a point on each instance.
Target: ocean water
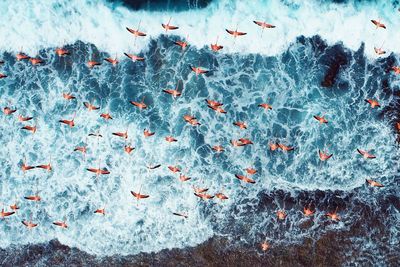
(161, 5)
(288, 67)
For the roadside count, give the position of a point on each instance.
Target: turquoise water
(291, 81)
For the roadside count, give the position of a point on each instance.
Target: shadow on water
(163, 5)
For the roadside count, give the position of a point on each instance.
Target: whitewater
(41, 24)
(283, 66)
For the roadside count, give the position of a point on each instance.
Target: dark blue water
(306, 78)
(333, 77)
(163, 5)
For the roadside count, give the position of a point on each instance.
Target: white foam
(40, 24)
(70, 191)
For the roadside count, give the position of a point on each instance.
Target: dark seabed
(332, 248)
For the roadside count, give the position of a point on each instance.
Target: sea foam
(31, 26)
(291, 82)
